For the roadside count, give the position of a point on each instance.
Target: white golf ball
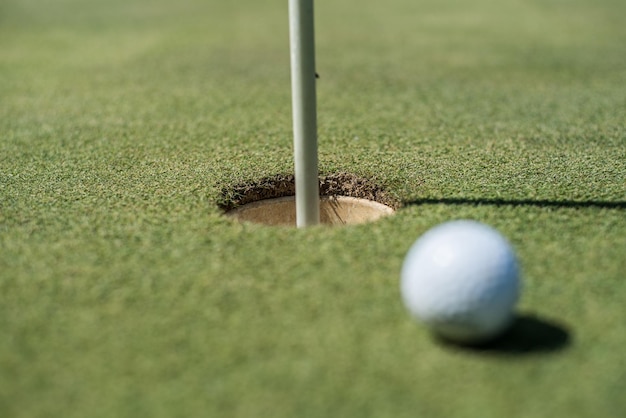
(461, 279)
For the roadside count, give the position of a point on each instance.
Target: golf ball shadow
(528, 334)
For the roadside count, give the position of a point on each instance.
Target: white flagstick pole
(302, 40)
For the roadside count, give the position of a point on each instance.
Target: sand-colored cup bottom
(334, 210)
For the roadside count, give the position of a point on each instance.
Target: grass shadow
(542, 203)
(527, 335)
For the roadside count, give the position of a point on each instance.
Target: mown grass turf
(124, 291)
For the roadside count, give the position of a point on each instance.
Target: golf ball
(461, 279)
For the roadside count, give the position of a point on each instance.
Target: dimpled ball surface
(461, 279)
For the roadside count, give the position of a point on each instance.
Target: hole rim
(348, 192)
(283, 185)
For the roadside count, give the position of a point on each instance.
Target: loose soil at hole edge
(281, 185)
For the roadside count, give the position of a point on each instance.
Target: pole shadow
(541, 203)
(529, 334)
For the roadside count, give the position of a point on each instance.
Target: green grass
(124, 292)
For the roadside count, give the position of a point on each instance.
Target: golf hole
(334, 210)
(345, 199)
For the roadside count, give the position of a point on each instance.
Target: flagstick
(302, 40)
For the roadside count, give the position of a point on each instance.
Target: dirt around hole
(282, 185)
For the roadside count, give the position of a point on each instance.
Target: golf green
(127, 126)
